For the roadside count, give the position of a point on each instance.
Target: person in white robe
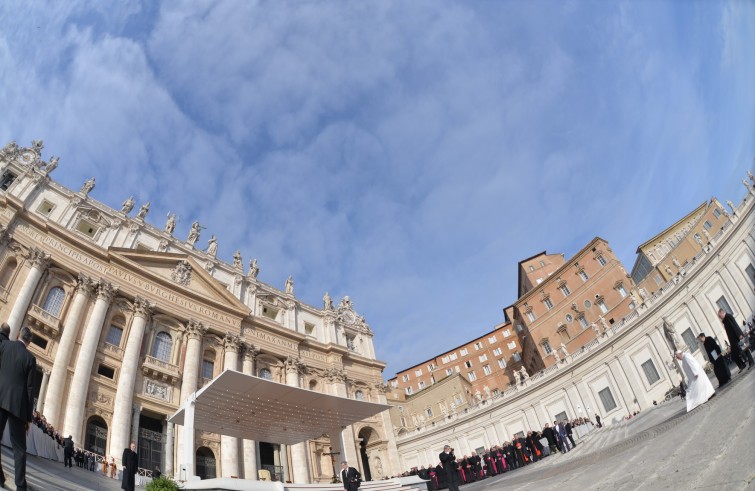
(699, 388)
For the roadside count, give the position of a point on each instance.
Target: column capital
(38, 258)
(106, 291)
(294, 365)
(46, 371)
(335, 375)
(195, 329)
(250, 351)
(85, 285)
(142, 308)
(382, 387)
(231, 342)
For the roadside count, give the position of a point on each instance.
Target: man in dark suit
(17, 369)
(68, 452)
(448, 460)
(130, 464)
(350, 477)
(735, 336)
(716, 359)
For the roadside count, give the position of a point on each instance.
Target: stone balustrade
(44, 320)
(160, 370)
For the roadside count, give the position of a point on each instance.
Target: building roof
(686, 217)
(253, 408)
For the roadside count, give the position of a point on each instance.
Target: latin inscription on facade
(270, 338)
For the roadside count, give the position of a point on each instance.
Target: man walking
(735, 336)
(350, 477)
(716, 359)
(17, 368)
(68, 451)
(448, 461)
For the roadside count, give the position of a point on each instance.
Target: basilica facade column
(59, 374)
(124, 394)
(38, 261)
(83, 370)
(250, 446)
(392, 453)
(229, 445)
(195, 331)
(345, 438)
(168, 449)
(43, 391)
(299, 459)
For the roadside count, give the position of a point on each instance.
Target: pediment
(164, 266)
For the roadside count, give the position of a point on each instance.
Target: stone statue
(752, 178)
(212, 246)
(706, 234)
(196, 230)
(747, 185)
(667, 268)
(633, 297)
(562, 348)
(698, 239)
(670, 334)
(676, 262)
(524, 374)
(237, 260)
(517, 378)
(170, 225)
(345, 303)
(731, 205)
(377, 464)
(290, 285)
(88, 186)
(643, 294)
(143, 211)
(254, 270)
(595, 329)
(555, 356)
(603, 325)
(128, 205)
(327, 302)
(52, 165)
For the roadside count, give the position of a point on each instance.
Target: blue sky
(406, 154)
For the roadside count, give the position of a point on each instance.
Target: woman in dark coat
(130, 467)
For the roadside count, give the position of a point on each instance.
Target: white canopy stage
(245, 406)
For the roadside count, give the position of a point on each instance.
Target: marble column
(38, 261)
(249, 446)
(43, 391)
(195, 331)
(394, 465)
(83, 371)
(59, 374)
(124, 394)
(299, 460)
(168, 449)
(135, 417)
(229, 445)
(337, 377)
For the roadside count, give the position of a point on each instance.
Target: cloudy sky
(407, 154)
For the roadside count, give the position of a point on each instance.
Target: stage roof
(249, 407)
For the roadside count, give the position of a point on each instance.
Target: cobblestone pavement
(664, 447)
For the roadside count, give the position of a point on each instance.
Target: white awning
(249, 407)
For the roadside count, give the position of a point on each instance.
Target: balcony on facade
(160, 370)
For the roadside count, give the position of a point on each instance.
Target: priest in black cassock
(130, 467)
(716, 359)
(739, 355)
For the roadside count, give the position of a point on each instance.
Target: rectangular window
(269, 312)
(472, 376)
(690, 340)
(45, 208)
(106, 371)
(548, 303)
(463, 352)
(483, 358)
(114, 336)
(650, 372)
(658, 280)
(405, 377)
(497, 352)
(723, 304)
(445, 359)
(421, 385)
(602, 306)
(506, 333)
(453, 356)
(449, 371)
(468, 364)
(431, 367)
(583, 276)
(601, 260)
(39, 341)
(6, 180)
(531, 316)
(409, 391)
(708, 225)
(750, 270)
(487, 370)
(621, 290)
(565, 290)
(87, 228)
(478, 346)
(429, 412)
(716, 212)
(491, 339)
(309, 329)
(418, 372)
(394, 383)
(583, 322)
(208, 369)
(516, 357)
(607, 399)
(512, 345)
(519, 328)
(501, 363)
(547, 347)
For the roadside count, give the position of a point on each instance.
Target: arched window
(54, 301)
(359, 395)
(162, 347)
(7, 273)
(266, 373)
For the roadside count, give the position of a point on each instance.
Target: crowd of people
(520, 451)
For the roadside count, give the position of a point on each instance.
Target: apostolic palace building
(129, 320)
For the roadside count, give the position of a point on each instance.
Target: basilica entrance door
(96, 437)
(151, 442)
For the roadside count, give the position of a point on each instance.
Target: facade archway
(206, 464)
(96, 435)
(366, 436)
